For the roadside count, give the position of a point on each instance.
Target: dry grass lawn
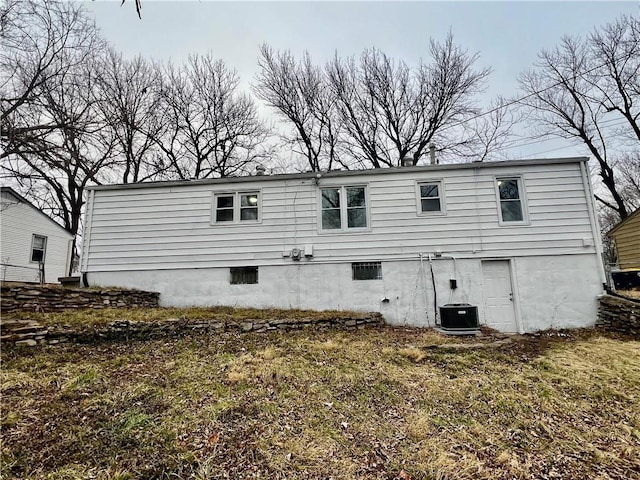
(333, 404)
(98, 317)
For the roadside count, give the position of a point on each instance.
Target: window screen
(356, 207)
(249, 206)
(510, 200)
(224, 208)
(38, 247)
(344, 205)
(430, 197)
(331, 209)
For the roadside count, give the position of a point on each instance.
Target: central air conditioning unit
(459, 318)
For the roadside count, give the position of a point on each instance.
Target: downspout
(593, 221)
(86, 238)
(69, 267)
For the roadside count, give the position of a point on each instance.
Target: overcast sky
(508, 35)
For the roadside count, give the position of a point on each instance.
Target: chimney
(260, 170)
(407, 161)
(432, 153)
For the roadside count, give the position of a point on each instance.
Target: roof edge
(621, 223)
(342, 173)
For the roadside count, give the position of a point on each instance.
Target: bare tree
(35, 36)
(212, 129)
(298, 92)
(129, 104)
(56, 142)
(587, 90)
(138, 6)
(627, 168)
(491, 130)
(374, 111)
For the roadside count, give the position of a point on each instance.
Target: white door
(498, 296)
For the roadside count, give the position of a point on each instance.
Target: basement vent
(243, 275)
(366, 271)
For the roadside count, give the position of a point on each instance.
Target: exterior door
(498, 296)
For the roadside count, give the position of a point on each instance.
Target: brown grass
(630, 293)
(362, 404)
(95, 317)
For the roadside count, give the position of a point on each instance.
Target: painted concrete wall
(18, 223)
(550, 291)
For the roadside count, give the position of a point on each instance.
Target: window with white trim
(344, 208)
(243, 275)
(38, 248)
(431, 197)
(236, 207)
(510, 197)
(366, 271)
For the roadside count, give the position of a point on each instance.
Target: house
(626, 236)
(29, 239)
(517, 239)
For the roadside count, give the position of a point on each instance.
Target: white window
(236, 207)
(38, 248)
(430, 197)
(511, 199)
(366, 270)
(343, 208)
(243, 275)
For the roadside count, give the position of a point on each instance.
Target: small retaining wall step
(49, 298)
(124, 330)
(617, 314)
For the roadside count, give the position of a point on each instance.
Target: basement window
(38, 248)
(366, 271)
(243, 275)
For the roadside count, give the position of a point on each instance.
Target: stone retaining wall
(619, 315)
(31, 333)
(45, 298)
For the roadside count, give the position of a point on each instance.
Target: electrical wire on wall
(424, 283)
(455, 276)
(435, 292)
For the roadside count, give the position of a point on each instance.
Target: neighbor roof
(623, 222)
(343, 173)
(23, 200)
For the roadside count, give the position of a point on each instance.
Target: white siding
(18, 223)
(169, 227)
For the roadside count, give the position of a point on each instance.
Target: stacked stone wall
(31, 333)
(49, 298)
(621, 315)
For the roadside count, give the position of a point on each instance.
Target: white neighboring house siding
(146, 236)
(19, 222)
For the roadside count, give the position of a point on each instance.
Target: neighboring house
(626, 236)
(29, 237)
(519, 238)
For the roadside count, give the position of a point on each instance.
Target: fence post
(41, 272)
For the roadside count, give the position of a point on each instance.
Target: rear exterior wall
(162, 238)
